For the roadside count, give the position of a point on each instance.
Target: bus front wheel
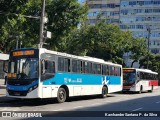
(104, 92)
(61, 95)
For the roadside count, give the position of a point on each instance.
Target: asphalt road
(90, 106)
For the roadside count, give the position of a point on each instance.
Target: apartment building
(107, 9)
(142, 17)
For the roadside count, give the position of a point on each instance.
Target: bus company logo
(105, 80)
(67, 80)
(6, 114)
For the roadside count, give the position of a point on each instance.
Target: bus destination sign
(128, 70)
(21, 53)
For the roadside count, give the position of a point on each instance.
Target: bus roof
(142, 70)
(87, 58)
(4, 56)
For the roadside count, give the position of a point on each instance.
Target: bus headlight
(133, 85)
(32, 88)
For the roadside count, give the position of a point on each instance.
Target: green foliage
(138, 50)
(14, 25)
(153, 63)
(103, 41)
(63, 15)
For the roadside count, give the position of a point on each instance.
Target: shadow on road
(38, 102)
(146, 102)
(98, 112)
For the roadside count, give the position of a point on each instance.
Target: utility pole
(149, 33)
(17, 42)
(42, 25)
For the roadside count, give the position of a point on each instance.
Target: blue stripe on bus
(21, 88)
(82, 79)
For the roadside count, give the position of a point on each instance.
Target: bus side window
(85, 67)
(111, 70)
(104, 70)
(67, 65)
(99, 71)
(74, 65)
(61, 64)
(108, 71)
(89, 67)
(48, 69)
(94, 68)
(138, 75)
(79, 66)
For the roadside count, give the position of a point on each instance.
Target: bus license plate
(17, 94)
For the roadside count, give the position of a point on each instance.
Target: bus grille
(17, 93)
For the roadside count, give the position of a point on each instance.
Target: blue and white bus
(41, 73)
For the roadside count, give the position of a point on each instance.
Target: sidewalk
(3, 98)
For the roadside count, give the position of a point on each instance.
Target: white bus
(41, 73)
(138, 80)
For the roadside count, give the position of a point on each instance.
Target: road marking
(136, 109)
(96, 104)
(58, 110)
(158, 102)
(10, 108)
(119, 99)
(78, 107)
(106, 101)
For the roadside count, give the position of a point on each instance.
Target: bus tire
(151, 90)
(61, 95)
(141, 89)
(104, 92)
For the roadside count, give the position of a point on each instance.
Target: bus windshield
(129, 77)
(24, 68)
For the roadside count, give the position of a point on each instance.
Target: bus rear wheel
(104, 92)
(61, 95)
(141, 89)
(151, 90)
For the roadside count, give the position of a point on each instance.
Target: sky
(81, 1)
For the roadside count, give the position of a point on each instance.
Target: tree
(103, 41)
(138, 50)
(154, 63)
(64, 15)
(14, 24)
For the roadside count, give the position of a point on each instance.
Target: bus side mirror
(42, 66)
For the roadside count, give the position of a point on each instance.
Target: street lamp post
(42, 24)
(17, 42)
(149, 33)
(43, 19)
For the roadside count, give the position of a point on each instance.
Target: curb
(4, 99)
